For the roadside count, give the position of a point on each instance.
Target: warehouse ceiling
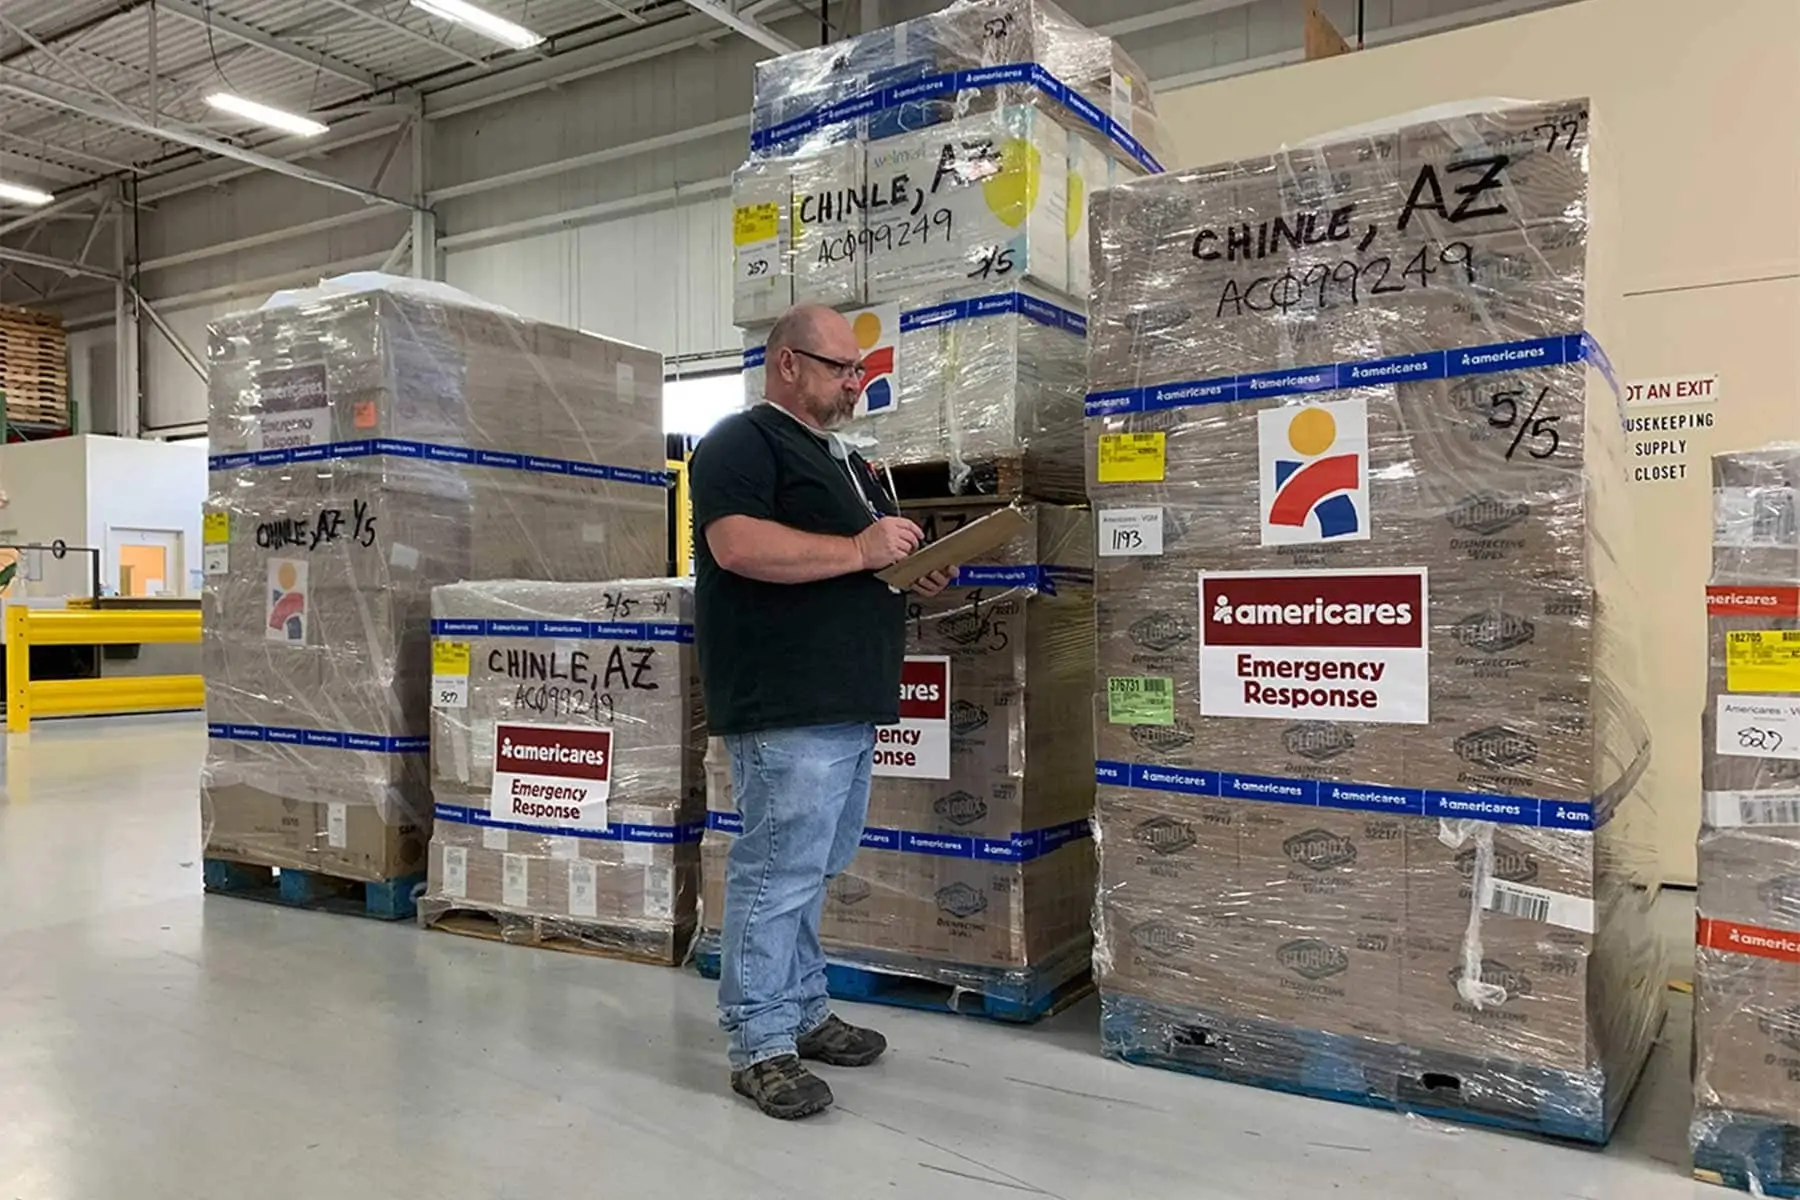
(90, 88)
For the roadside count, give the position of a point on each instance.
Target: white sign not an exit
(1673, 390)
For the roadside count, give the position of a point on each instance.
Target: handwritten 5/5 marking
(1545, 441)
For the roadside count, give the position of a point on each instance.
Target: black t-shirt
(785, 655)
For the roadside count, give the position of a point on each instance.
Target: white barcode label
(337, 825)
(1130, 532)
(515, 882)
(216, 560)
(493, 839)
(1539, 904)
(456, 871)
(565, 847)
(1758, 726)
(584, 899)
(1732, 810)
(659, 893)
(640, 854)
(1754, 517)
(449, 691)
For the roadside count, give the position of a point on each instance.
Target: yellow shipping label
(755, 223)
(1762, 660)
(215, 528)
(449, 658)
(1132, 458)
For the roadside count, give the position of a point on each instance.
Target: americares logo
(1315, 472)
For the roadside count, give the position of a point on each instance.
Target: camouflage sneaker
(782, 1088)
(837, 1043)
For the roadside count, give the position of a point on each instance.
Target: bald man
(800, 650)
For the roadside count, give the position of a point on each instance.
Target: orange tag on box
(366, 416)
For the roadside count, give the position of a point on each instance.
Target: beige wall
(1696, 108)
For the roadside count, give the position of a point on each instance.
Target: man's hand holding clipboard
(940, 558)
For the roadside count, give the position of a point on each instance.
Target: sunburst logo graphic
(1315, 472)
(287, 602)
(877, 333)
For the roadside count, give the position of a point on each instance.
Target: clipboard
(978, 537)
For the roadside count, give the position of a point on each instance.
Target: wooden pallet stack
(34, 368)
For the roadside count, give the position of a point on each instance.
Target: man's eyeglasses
(842, 369)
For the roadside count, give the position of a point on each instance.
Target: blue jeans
(803, 795)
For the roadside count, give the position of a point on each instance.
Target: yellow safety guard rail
(684, 516)
(28, 627)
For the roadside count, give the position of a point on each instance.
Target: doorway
(147, 562)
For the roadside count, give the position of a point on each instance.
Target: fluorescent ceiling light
(481, 21)
(262, 114)
(19, 194)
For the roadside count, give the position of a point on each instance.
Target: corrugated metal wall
(636, 246)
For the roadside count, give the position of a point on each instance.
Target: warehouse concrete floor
(155, 1043)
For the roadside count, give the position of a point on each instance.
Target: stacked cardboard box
(1747, 961)
(976, 869)
(606, 664)
(1363, 724)
(931, 180)
(373, 439)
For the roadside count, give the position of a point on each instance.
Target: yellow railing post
(18, 668)
(684, 518)
(93, 697)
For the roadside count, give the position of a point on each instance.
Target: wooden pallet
(386, 900)
(34, 368)
(1747, 1151)
(1560, 1105)
(566, 934)
(1014, 997)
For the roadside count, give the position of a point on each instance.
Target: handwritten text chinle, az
(323, 528)
(1455, 194)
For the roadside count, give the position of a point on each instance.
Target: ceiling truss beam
(753, 29)
(393, 26)
(195, 141)
(293, 51)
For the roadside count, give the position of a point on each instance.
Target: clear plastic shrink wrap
(972, 381)
(938, 172)
(1366, 740)
(1747, 958)
(976, 870)
(607, 666)
(372, 439)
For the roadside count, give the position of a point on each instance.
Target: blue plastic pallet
(1554, 1104)
(1750, 1153)
(388, 900)
(1001, 998)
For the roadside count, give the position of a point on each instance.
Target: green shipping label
(1140, 700)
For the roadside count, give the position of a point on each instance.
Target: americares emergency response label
(558, 775)
(1321, 645)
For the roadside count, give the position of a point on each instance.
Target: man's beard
(835, 412)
